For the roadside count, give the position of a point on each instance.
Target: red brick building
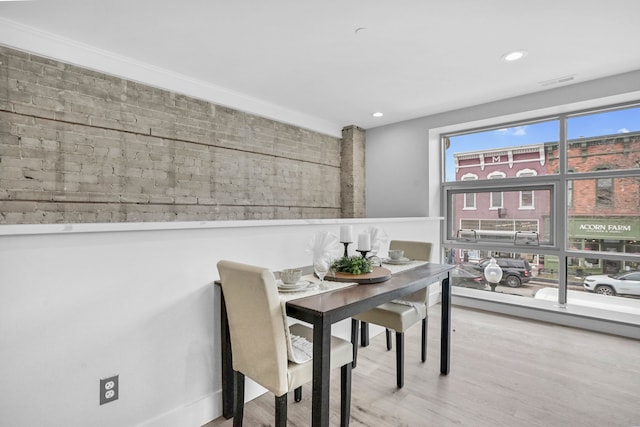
(603, 214)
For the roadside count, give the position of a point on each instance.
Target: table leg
(228, 377)
(364, 334)
(445, 328)
(321, 372)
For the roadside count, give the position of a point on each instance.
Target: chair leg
(354, 341)
(364, 334)
(345, 395)
(400, 359)
(297, 394)
(281, 410)
(425, 329)
(388, 334)
(238, 405)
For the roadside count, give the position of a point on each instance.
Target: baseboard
(195, 414)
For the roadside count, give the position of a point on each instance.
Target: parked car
(515, 271)
(466, 278)
(627, 283)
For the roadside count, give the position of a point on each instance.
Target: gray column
(352, 175)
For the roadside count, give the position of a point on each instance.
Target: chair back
(413, 250)
(256, 324)
(419, 251)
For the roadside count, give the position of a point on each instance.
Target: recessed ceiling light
(377, 114)
(514, 56)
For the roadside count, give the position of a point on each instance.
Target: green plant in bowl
(354, 264)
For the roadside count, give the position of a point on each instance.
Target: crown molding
(32, 40)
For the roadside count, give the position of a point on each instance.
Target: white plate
(400, 261)
(300, 286)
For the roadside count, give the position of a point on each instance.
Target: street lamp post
(493, 274)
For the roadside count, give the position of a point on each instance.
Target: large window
(506, 150)
(603, 140)
(575, 173)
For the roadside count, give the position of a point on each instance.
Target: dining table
(322, 310)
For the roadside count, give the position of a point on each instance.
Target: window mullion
(561, 211)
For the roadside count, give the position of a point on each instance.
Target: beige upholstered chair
(399, 317)
(259, 342)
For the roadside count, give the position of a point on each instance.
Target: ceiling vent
(557, 81)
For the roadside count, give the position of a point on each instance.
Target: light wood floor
(505, 372)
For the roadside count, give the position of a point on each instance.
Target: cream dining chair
(259, 341)
(401, 315)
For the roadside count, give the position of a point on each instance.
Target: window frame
(560, 203)
(509, 184)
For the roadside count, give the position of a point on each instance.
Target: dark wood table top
(346, 302)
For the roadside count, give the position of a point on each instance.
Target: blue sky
(607, 123)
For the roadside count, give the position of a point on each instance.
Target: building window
(570, 193)
(526, 197)
(604, 192)
(469, 198)
(496, 199)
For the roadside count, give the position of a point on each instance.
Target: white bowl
(290, 275)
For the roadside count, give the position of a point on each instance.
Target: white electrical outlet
(109, 389)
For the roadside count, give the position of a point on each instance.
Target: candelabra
(363, 253)
(346, 246)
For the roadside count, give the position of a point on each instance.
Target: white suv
(627, 283)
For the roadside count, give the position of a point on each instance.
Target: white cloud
(623, 130)
(516, 131)
(519, 131)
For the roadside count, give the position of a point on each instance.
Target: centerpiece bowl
(357, 269)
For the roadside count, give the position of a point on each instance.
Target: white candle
(346, 233)
(364, 242)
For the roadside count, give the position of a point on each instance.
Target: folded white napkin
(378, 238)
(324, 245)
(421, 308)
(299, 349)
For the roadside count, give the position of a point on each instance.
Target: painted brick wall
(619, 151)
(81, 146)
(353, 172)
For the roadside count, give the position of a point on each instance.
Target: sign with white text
(619, 228)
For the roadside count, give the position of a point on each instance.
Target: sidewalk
(546, 279)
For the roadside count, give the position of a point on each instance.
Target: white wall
(84, 301)
(403, 163)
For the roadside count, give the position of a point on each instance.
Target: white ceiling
(302, 61)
